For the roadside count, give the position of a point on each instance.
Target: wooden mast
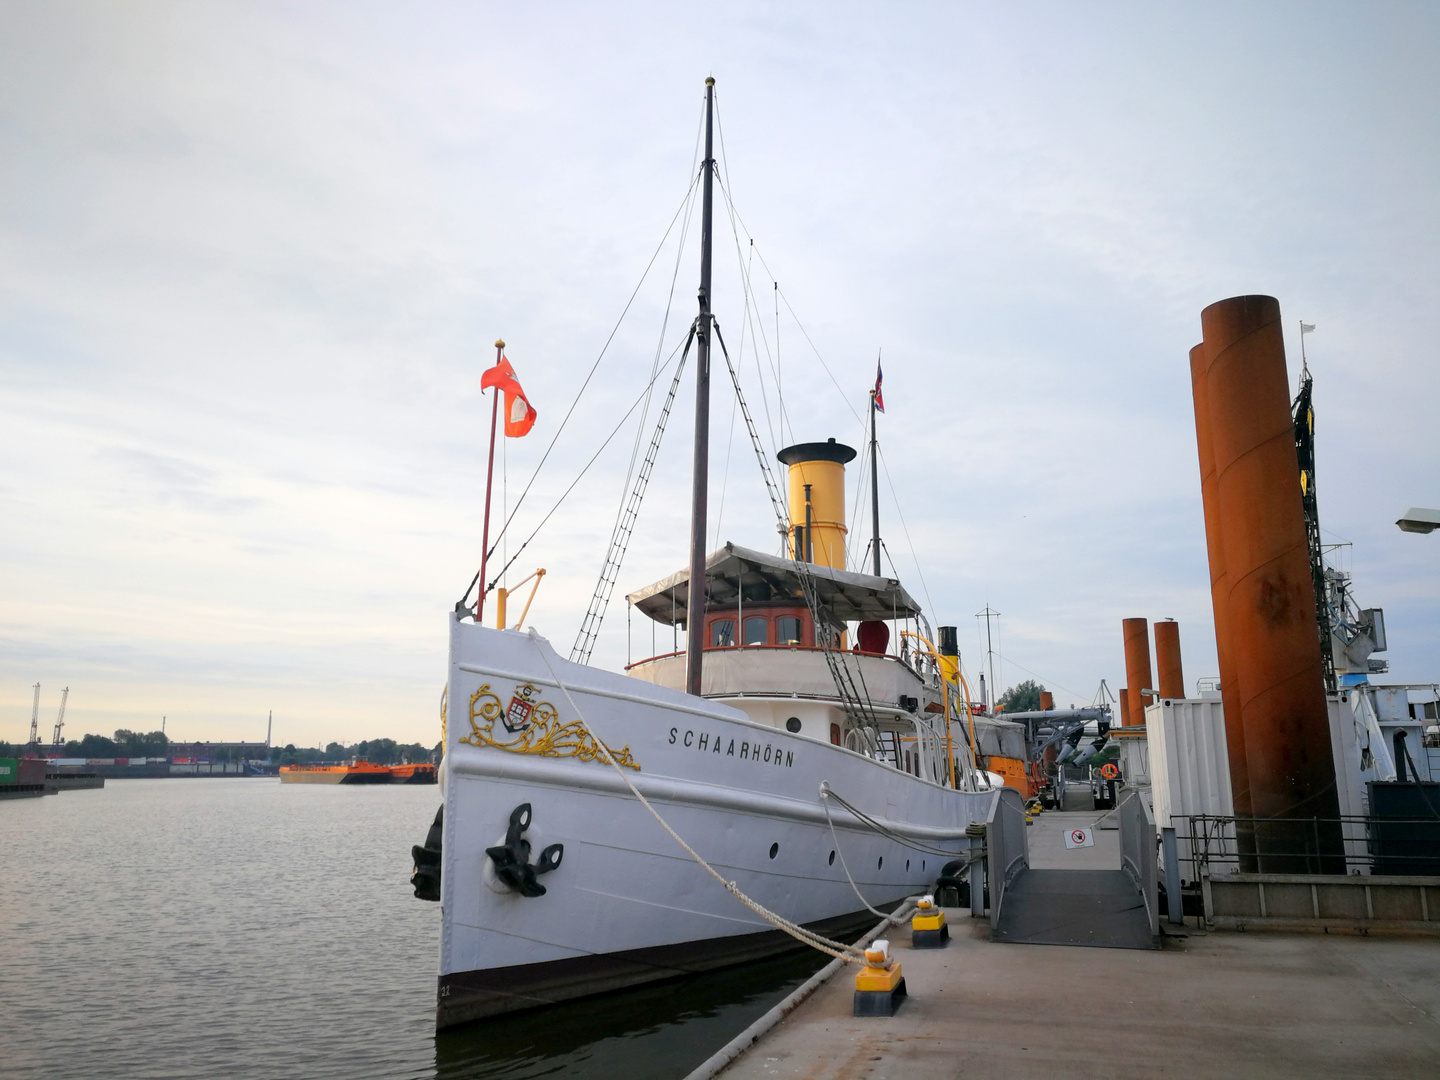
(695, 607)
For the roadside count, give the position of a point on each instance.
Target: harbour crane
(60, 720)
(35, 718)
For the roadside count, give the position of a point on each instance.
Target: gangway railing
(1137, 852)
(1007, 853)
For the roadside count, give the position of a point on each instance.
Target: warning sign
(1079, 838)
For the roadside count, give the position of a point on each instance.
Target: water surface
(210, 927)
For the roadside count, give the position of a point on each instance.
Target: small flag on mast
(519, 413)
(879, 397)
(1307, 328)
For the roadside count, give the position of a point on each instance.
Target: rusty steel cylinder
(1167, 659)
(1274, 639)
(1137, 667)
(1230, 698)
(1125, 708)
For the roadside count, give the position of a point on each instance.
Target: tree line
(378, 751)
(126, 743)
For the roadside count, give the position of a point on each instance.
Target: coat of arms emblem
(520, 710)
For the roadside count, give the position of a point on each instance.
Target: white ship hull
(627, 905)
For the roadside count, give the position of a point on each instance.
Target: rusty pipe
(1125, 708)
(1229, 691)
(1167, 659)
(1274, 640)
(1137, 667)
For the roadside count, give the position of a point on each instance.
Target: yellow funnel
(820, 467)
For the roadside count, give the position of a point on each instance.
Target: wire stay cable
(625, 527)
(591, 374)
(580, 476)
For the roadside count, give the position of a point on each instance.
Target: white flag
(1307, 328)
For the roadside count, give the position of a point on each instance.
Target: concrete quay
(1224, 1004)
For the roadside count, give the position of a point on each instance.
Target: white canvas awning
(769, 579)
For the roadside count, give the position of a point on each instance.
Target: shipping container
(1190, 772)
(9, 770)
(32, 770)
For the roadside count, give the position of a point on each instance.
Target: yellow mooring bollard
(927, 926)
(879, 985)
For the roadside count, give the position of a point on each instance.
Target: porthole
(881, 863)
(793, 724)
(832, 858)
(774, 850)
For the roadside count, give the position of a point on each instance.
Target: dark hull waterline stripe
(471, 995)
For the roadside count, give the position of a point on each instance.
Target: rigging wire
(625, 527)
(901, 515)
(1049, 683)
(593, 367)
(725, 477)
(747, 293)
(854, 536)
(781, 293)
(736, 225)
(664, 326)
(751, 301)
(613, 432)
(856, 701)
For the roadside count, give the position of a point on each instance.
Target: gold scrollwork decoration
(528, 726)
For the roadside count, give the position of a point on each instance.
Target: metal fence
(1211, 845)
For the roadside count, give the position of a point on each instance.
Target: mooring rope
(840, 851)
(837, 949)
(827, 792)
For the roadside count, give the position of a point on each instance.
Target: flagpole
(874, 491)
(875, 477)
(489, 483)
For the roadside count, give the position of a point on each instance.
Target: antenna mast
(699, 495)
(35, 718)
(987, 615)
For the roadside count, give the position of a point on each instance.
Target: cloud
(252, 260)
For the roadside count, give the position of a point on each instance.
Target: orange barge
(357, 772)
(412, 774)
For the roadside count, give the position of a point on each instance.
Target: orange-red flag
(519, 413)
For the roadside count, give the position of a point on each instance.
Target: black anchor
(512, 859)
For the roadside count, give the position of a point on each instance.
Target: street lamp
(1419, 520)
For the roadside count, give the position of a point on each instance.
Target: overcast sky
(253, 259)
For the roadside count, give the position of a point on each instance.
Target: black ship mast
(699, 496)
